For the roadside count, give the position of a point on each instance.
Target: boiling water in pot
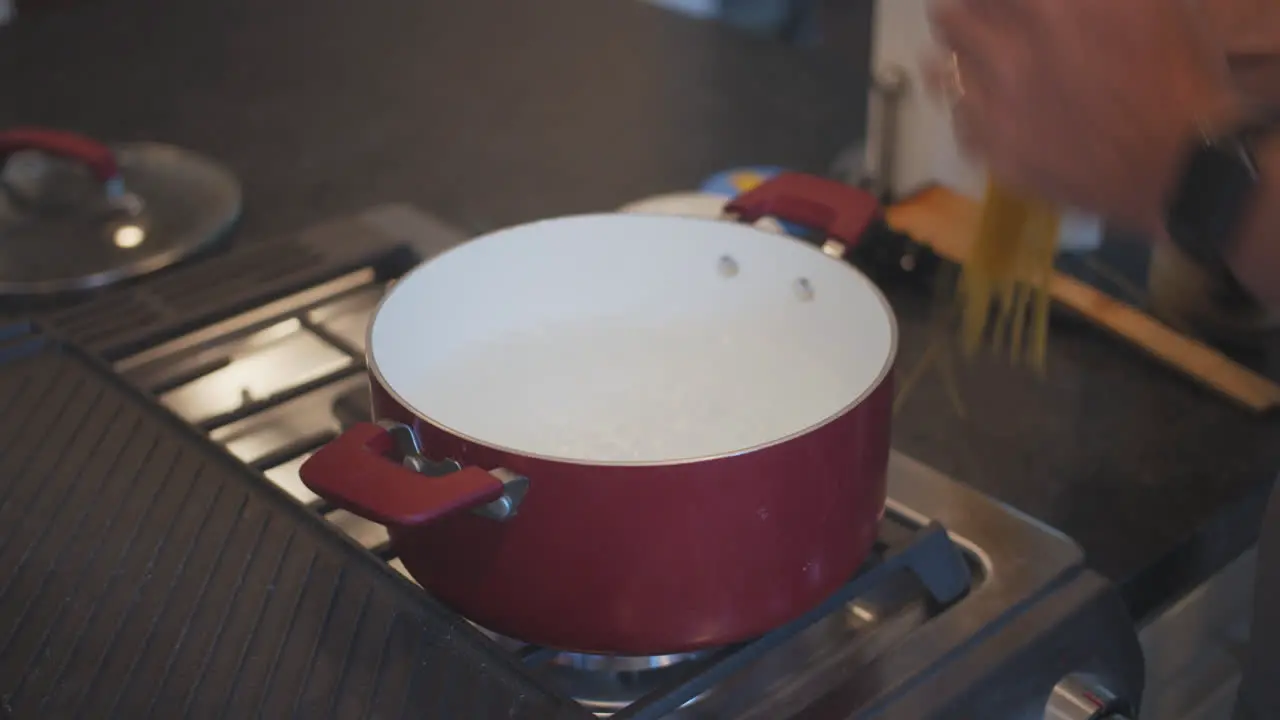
(628, 338)
(617, 393)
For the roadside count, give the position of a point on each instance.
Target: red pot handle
(840, 211)
(98, 158)
(355, 473)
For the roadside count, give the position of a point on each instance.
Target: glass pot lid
(76, 214)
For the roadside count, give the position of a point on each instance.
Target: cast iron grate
(121, 320)
(146, 573)
(927, 553)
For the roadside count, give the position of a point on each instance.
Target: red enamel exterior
(645, 560)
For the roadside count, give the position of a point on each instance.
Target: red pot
(630, 434)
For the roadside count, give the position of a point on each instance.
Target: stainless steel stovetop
(1035, 629)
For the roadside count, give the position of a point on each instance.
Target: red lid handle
(840, 211)
(354, 473)
(95, 156)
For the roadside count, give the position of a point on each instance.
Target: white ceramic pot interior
(631, 338)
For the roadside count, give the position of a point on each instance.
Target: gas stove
(967, 610)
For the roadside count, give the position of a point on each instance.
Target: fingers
(961, 28)
(941, 80)
(968, 130)
(987, 40)
(977, 130)
(945, 80)
(1244, 27)
(945, 83)
(1014, 11)
(980, 45)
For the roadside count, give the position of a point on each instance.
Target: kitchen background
(1112, 505)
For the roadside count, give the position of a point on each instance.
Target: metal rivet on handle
(727, 266)
(834, 248)
(804, 289)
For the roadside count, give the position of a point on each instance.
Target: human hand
(1089, 103)
(1244, 27)
(1249, 32)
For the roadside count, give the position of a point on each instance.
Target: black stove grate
(165, 561)
(929, 555)
(905, 547)
(146, 573)
(120, 320)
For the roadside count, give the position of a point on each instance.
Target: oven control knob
(1078, 698)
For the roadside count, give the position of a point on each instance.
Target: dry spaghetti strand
(1007, 271)
(1042, 240)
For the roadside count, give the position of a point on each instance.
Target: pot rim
(376, 375)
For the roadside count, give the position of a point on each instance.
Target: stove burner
(605, 684)
(618, 664)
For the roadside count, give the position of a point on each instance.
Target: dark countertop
(487, 113)
(492, 113)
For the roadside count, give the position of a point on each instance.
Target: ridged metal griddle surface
(144, 573)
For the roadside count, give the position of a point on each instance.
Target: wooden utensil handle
(945, 221)
(1192, 357)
